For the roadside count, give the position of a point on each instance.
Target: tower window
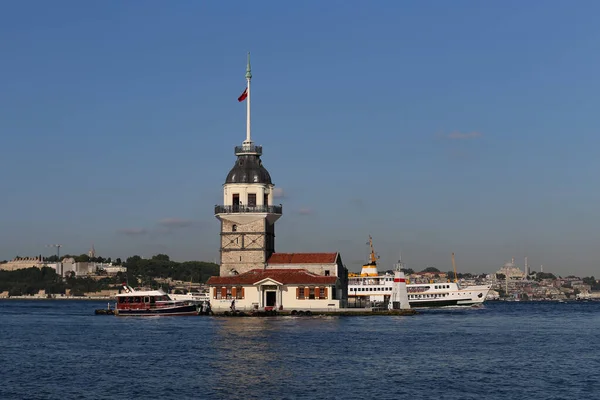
(266, 199)
(234, 228)
(251, 199)
(326, 272)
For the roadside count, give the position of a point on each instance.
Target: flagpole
(248, 77)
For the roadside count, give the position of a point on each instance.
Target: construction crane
(59, 269)
(58, 246)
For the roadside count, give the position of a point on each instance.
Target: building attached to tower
(252, 275)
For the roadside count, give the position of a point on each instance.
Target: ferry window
(121, 299)
(136, 300)
(146, 299)
(152, 300)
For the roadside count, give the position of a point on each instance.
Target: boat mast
(454, 267)
(372, 257)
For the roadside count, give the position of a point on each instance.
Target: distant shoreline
(82, 298)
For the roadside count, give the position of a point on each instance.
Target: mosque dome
(248, 169)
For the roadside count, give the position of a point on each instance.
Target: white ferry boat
(191, 297)
(145, 303)
(371, 287)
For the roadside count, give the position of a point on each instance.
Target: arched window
(234, 228)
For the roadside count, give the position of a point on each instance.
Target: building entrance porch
(270, 296)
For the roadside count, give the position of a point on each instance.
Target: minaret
(92, 252)
(247, 214)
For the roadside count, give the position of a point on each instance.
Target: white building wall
(229, 189)
(253, 296)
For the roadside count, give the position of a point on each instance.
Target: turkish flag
(243, 95)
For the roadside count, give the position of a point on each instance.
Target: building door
(236, 202)
(271, 298)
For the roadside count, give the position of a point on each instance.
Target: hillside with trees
(140, 272)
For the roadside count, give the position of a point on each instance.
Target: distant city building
(22, 262)
(511, 271)
(65, 266)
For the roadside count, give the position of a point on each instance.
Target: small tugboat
(147, 303)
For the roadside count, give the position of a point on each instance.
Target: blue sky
(436, 127)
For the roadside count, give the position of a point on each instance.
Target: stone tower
(247, 214)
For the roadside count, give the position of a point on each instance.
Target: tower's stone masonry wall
(231, 260)
(244, 248)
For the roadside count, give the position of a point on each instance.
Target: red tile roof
(284, 276)
(302, 258)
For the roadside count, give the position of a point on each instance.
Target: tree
(431, 269)
(82, 258)
(591, 280)
(407, 271)
(544, 275)
(161, 257)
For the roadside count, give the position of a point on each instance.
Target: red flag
(244, 95)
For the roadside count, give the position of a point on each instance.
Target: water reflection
(259, 353)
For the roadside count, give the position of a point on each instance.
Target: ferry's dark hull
(163, 311)
(442, 303)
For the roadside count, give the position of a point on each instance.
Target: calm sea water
(61, 350)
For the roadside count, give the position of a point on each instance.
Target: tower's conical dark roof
(248, 169)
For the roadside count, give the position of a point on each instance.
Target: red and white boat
(147, 303)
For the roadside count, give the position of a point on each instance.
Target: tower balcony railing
(221, 209)
(248, 149)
